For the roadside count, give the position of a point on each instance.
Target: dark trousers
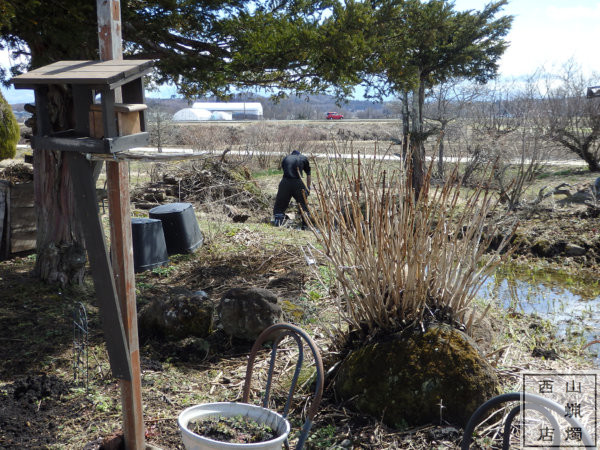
(288, 188)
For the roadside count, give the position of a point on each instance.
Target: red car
(334, 116)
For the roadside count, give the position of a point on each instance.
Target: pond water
(572, 303)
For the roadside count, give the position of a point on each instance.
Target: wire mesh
(80, 347)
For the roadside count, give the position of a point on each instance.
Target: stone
(596, 188)
(246, 312)
(235, 214)
(574, 250)
(180, 314)
(404, 379)
(544, 248)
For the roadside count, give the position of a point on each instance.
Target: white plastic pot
(193, 441)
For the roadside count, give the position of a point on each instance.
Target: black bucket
(182, 233)
(149, 247)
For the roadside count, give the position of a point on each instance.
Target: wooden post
(117, 175)
(109, 29)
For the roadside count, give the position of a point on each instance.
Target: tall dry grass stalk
(398, 260)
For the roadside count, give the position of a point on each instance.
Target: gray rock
(181, 313)
(596, 188)
(246, 312)
(574, 250)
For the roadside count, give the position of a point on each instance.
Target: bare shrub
(202, 138)
(261, 143)
(508, 134)
(161, 130)
(296, 138)
(397, 260)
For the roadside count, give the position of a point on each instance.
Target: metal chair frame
(527, 401)
(277, 333)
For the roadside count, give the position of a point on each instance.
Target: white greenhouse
(238, 110)
(220, 111)
(221, 115)
(191, 115)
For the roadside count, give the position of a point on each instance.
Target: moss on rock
(543, 247)
(178, 315)
(405, 379)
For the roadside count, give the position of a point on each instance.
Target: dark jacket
(293, 165)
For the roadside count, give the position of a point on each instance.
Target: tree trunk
(405, 124)
(61, 253)
(581, 149)
(443, 125)
(590, 158)
(417, 146)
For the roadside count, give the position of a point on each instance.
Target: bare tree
(447, 101)
(161, 128)
(574, 120)
(529, 149)
(485, 128)
(508, 135)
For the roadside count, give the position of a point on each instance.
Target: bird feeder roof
(111, 73)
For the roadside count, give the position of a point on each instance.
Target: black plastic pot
(180, 226)
(149, 247)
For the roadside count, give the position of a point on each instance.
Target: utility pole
(117, 174)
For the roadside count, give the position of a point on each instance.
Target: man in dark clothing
(291, 185)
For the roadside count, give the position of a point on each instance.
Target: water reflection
(571, 303)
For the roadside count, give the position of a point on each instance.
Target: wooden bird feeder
(102, 127)
(115, 123)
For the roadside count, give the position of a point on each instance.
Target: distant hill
(312, 107)
(19, 112)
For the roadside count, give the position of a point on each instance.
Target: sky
(545, 33)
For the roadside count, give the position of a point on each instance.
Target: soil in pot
(235, 430)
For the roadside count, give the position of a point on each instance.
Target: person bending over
(291, 185)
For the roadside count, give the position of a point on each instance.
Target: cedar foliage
(9, 131)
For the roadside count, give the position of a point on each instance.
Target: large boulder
(181, 313)
(246, 312)
(406, 378)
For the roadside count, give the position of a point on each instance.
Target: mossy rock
(178, 315)
(404, 380)
(292, 311)
(543, 247)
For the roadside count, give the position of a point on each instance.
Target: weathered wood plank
(122, 107)
(134, 93)
(81, 144)
(89, 145)
(106, 292)
(82, 99)
(42, 113)
(22, 218)
(4, 213)
(84, 72)
(21, 195)
(22, 241)
(110, 46)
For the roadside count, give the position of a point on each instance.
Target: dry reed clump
(396, 260)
